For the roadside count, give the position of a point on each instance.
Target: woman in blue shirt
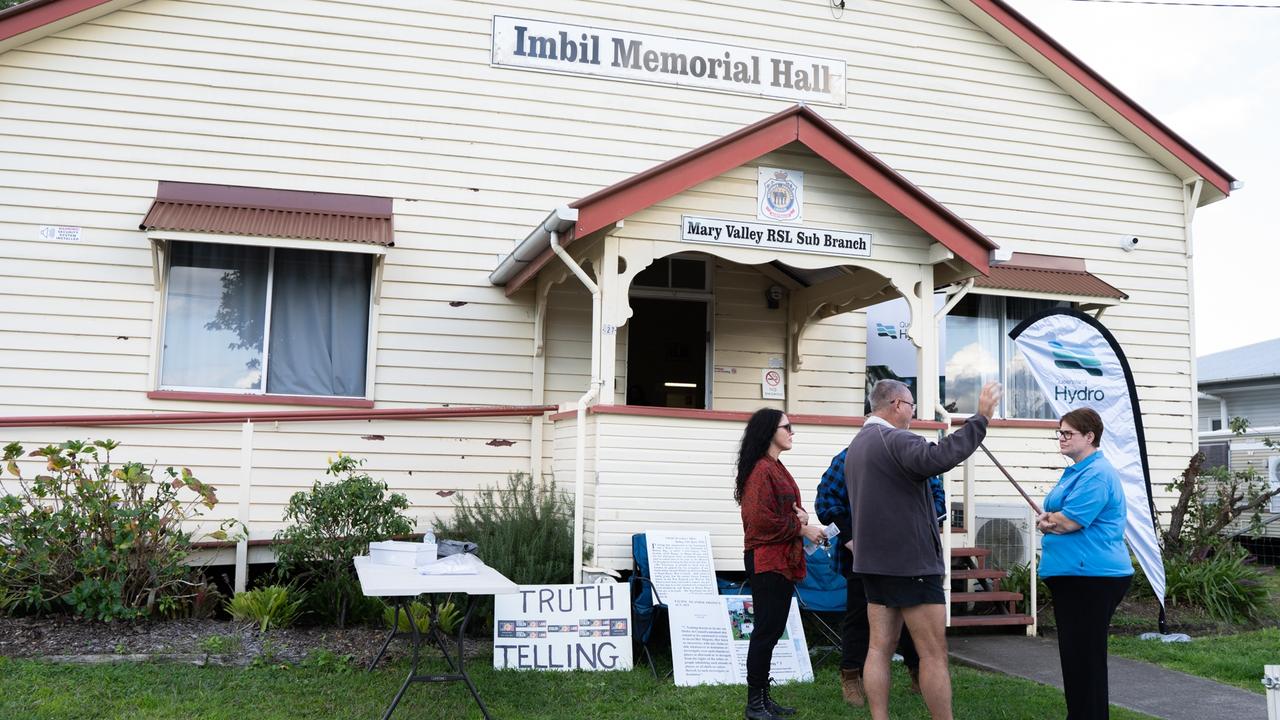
(1085, 562)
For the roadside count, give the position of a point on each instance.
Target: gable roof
(1251, 362)
(799, 124)
(1094, 91)
(34, 19)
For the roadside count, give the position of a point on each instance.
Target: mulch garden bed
(216, 642)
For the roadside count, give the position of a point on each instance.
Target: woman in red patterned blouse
(773, 523)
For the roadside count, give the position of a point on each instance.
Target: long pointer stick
(1022, 492)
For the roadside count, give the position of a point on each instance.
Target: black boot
(756, 709)
(774, 707)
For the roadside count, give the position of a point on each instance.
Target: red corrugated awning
(235, 210)
(1047, 274)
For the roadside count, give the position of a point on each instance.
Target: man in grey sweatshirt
(896, 547)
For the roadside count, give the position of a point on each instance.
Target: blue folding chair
(821, 593)
(646, 605)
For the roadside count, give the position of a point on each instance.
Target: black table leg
(458, 671)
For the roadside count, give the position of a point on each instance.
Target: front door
(667, 353)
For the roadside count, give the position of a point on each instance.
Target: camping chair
(646, 604)
(821, 593)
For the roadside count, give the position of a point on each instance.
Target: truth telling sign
(716, 231)
(563, 627)
(625, 55)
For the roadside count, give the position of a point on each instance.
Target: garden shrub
(331, 524)
(524, 530)
(97, 539)
(273, 606)
(1225, 585)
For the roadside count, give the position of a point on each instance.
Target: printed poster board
(681, 562)
(563, 627)
(710, 635)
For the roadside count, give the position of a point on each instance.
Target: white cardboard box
(404, 554)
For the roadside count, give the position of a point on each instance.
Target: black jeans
(771, 602)
(855, 633)
(1082, 607)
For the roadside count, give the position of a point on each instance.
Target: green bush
(1225, 585)
(331, 524)
(273, 606)
(448, 614)
(102, 541)
(524, 530)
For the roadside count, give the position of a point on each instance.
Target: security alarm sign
(771, 384)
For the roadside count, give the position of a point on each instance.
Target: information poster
(681, 562)
(563, 627)
(710, 635)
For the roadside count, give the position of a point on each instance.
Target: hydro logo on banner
(1078, 363)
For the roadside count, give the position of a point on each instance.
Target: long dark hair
(761, 428)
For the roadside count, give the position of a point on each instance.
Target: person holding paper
(832, 506)
(773, 523)
(896, 546)
(1084, 561)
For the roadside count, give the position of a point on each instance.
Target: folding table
(401, 585)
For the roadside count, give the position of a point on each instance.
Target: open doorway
(667, 353)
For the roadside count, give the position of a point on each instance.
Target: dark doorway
(667, 353)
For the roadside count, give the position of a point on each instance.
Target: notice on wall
(563, 627)
(60, 233)
(681, 562)
(710, 635)
(771, 386)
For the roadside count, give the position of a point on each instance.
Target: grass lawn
(1232, 659)
(36, 690)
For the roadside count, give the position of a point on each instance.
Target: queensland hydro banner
(1078, 363)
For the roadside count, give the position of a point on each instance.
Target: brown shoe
(851, 687)
(915, 679)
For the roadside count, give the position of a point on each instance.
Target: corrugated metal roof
(235, 210)
(1259, 360)
(1048, 280)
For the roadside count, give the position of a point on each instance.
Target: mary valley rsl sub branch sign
(624, 55)
(715, 231)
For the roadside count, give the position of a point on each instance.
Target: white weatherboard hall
(582, 239)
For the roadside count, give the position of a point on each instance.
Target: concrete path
(1135, 685)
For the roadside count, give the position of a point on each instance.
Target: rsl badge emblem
(781, 195)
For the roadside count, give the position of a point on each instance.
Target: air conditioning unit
(1007, 531)
(1273, 480)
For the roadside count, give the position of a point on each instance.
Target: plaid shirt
(832, 505)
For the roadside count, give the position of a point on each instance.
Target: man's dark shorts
(902, 592)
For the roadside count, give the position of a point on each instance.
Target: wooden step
(978, 574)
(959, 552)
(986, 620)
(958, 530)
(991, 596)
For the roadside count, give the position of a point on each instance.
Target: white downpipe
(579, 460)
(1222, 409)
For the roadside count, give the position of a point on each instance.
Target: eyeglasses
(787, 427)
(1065, 434)
(913, 405)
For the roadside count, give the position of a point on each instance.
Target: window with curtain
(978, 350)
(266, 320)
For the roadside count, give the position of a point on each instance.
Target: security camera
(1128, 243)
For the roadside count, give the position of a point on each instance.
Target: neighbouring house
(1243, 383)
(463, 240)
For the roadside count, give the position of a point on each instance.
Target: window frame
(161, 265)
(1002, 364)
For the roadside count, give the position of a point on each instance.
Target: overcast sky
(1213, 76)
